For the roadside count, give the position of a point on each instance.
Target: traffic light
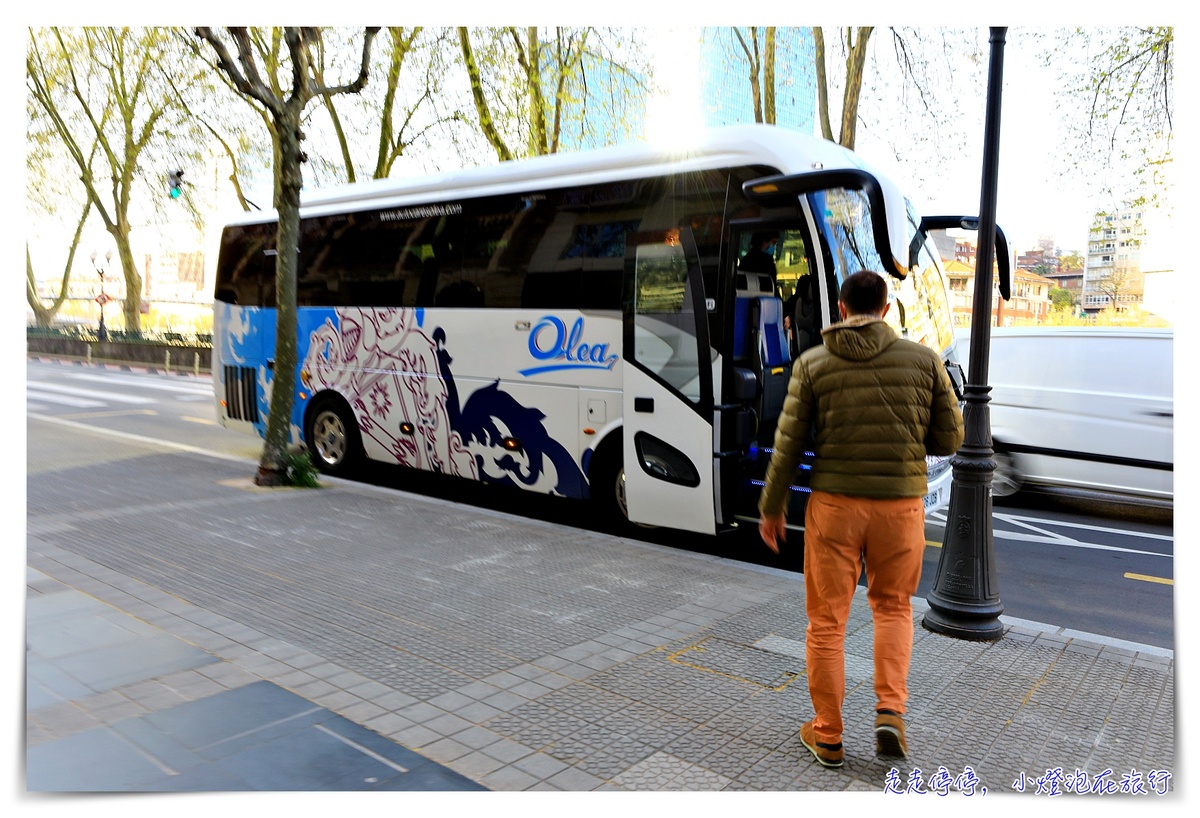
(175, 179)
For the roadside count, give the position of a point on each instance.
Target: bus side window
(443, 262)
(246, 266)
(555, 264)
(462, 293)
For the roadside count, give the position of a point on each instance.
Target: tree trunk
(486, 124)
(856, 59)
(539, 141)
(272, 468)
(132, 306)
(43, 315)
(822, 84)
(340, 133)
(769, 77)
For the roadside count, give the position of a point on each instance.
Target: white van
(1082, 407)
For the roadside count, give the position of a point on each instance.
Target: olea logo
(550, 342)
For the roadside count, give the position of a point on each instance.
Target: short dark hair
(864, 293)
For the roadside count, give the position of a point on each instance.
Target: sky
(1035, 196)
(1039, 193)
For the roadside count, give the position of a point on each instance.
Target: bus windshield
(922, 310)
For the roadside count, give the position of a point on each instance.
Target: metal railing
(90, 334)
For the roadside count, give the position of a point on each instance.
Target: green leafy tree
(50, 196)
(1124, 86)
(530, 88)
(1071, 261)
(106, 98)
(376, 128)
(855, 41)
(1122, 283)
(1061, 299)
(757, 45)
(914, 76)
(43, 314)
(283, 84)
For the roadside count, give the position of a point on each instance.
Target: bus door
(775, 314)
(668, 384)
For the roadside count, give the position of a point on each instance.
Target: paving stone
(535, 659)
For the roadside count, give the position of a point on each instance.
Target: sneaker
(827, 755)
(889, 734)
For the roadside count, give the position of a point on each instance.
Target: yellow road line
(1146, 578)
(932, 544)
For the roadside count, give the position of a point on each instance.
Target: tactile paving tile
(737, 661)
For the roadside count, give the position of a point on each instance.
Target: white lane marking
(1054, 538)
(147, 382)
(87, 393)
(78, 403)
(1077, 544)
(364, 750)
(149, 441)
(1023, 521)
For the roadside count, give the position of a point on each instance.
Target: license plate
(931, 500)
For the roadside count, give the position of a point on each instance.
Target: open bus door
(668, 385)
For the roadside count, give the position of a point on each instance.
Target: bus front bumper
(940, 476)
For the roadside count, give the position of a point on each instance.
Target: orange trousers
(841, 534)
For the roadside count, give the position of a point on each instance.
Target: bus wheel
(1006, 480)
(332, 437)
(608, 488)
(607, 483)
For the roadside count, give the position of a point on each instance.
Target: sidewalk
(189, 631)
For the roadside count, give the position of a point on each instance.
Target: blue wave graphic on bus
(395, 371)
(491, 416)
(550, 341)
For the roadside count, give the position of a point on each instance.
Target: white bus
(578, 324)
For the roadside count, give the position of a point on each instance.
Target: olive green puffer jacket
(877, 405)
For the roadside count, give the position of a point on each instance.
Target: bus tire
(332, 437)
(606, 482)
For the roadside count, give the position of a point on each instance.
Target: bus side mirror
(958, 379)
(1003, 261)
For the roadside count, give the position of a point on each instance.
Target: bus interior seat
(774, 362)
(750, 288)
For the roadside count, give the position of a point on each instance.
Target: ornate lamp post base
(965, 600)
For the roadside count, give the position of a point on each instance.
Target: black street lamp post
(965, 600)
(102, 299)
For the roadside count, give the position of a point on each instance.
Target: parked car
(1082, 407)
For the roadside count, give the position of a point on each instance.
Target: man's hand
(773, 529)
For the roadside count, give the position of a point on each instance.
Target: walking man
(875, 406)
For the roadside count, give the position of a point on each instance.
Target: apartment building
(1113, 277)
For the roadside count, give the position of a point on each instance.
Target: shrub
(301, 472)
